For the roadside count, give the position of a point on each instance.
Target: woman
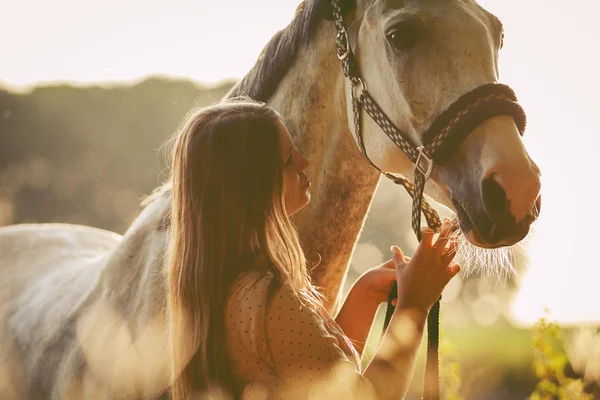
(243, 312)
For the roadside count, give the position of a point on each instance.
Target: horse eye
(404, 36)
(502, 40)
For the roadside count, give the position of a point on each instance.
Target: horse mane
(261, 82)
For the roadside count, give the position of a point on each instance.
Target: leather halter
(439, 142)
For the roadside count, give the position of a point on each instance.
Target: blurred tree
(88, 155)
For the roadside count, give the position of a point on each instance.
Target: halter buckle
(422, 158)
(355, 82)
(342, 44)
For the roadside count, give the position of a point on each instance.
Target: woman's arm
(391, 369)
(356, 317)
(358, 311)
(392, 366)
(421, 281)
(306, 358)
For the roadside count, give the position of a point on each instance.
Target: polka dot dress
(275, 341)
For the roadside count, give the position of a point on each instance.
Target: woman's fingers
(450, 252)
(453, 269)
(427, 236)
(445, 235)
(398, 254)
(389, 264)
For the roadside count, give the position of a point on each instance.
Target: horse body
(83, 310)
(54, 268)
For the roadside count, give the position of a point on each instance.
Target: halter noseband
(439, 142)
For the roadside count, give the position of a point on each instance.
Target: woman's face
(296, 182)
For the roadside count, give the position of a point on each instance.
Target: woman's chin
(305, 200)
(300, 204)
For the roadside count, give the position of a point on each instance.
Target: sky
(550, 58)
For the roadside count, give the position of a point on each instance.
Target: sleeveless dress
(280, 349)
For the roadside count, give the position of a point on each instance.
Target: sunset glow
(550, 58)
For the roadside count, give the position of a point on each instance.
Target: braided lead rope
(431, 216)
(431, 382)
(387, 126)
(415, 191)
(366, 101)
(436, 149)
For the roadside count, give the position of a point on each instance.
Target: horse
(83, 311)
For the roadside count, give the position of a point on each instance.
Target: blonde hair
(228, 216)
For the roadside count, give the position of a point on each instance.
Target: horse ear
(346, 6)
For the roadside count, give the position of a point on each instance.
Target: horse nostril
(494, 197)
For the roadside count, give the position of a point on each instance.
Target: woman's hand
(422, 279)
(376, 284)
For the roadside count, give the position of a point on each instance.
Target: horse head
(417, 57)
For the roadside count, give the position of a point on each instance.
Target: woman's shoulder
(250, 285)
(245, 326)
(250, 296)
(256, 295)
(256, 288)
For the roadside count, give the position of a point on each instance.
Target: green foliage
(88, 155)
(450, 379)
(549, 363)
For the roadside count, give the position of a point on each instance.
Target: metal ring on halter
(346, 53)
(425, 170)
(363, 87)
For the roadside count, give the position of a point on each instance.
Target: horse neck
(312, 102)
(132, 281)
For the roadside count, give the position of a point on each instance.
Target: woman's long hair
(228, 215)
